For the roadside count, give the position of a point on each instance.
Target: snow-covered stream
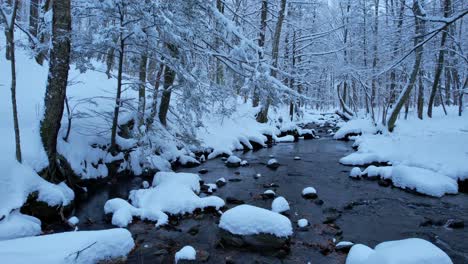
(360, 211)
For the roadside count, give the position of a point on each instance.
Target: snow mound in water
(279, 205)
(406, 251)
(250, 220)
(418, 179)
(356, 126)
(173, 193)
(285, 139)
(186, 253)
(93, 246)
(302, 222)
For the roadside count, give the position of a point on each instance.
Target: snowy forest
(234, 131)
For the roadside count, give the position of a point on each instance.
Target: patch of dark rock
(319, 202)
(233, 164)
(385, 182)
(235, 180)
(309, 196)
(273, 165)
(455, 223)
(220, 183)
(270, 185)
(232, 200)
(160, 252)
(266, 196)
(432, 222)
(43, 211)
(463, 186)
(344, 247)
(237, 173)
(263, 243)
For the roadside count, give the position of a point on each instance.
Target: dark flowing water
(364, 211)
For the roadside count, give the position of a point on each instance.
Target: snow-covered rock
(355, 172)
(185, 253)
(153, 203)
(70, 247)
(221, 182)
(244, 163)
(250, 220)
(268, 194)
(273, 163)
(344, 246)
(73, 221)
(406, 251)
(309, 193)
(145, 185)
(233, 161)
(302, 223)
(280, 205)
(297, 158)
(355, 127)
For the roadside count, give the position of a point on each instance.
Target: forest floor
(360, 211)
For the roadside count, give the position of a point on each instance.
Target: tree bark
(420, 96)
(440, 62)
(262, 117)
(56, 83)
(115, 120)
(419, 31)
(261, 44)
(41, 55)
(154, 103)
(169, 77)
(10, 38)
(142, 89)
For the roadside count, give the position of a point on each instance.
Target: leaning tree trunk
(262, 117)
(169, 77)
(440, 62)
(56, 84)
(419, 24)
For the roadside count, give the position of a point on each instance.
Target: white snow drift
(70, 247)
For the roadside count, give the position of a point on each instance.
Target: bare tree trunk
(262, 117)
(440, 61)
(34, 6)
(142, 89)
(154, 103)
(41, 55)
(375, 57)
(169, 77)
(417, 40)
(420, 96)
(261, 44)
(219, 65)
(56, 83)
(113, 146)
(10, 39)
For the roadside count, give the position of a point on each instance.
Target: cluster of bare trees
(380, 56)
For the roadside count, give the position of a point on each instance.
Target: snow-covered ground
(428, 155)
(70, 247)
